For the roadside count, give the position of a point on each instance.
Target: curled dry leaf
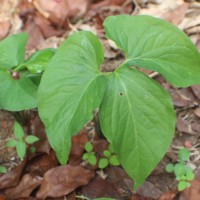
(27, 184)
(11, 178)
(168, 195)
(62, 180)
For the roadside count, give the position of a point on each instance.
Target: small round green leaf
(180, 169)
(85, 156)
(31, 139)
(32, 149)
(114, 160)
(88, 147)
(190, 175)
(107, 153)
(169, 168)
(110, 148)
(92, 160)
(3, 170)
(21, 149)
(184, 154)
(182, 185)
(11, 143)
(103, 163)
(18, 131)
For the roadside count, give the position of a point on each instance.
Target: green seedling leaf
(189, 175)
(106, 153)
(142, 123)
(18, 131)
(12, 51)
(155, 44)
(180, 169)
(103, 163)
(110, 148)
(17, 94)
(72, 87)
(39, 60)
(32, 149)
(85, 156)
(92, 160)
(184, 154)
(182, 185)
(3, 170)
(169, 168)
(30, 139)
(21, 149)
(11, 143)
(88, 147)
(114, 160)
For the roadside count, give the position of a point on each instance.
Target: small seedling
(182, 172)
(3, 170)
(110, 158)
(20, 142)
(89, 156)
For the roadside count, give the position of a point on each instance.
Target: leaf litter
(40, 176)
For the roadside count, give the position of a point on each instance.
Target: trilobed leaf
(71, 88)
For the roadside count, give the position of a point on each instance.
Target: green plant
(3, 170)
(110, 158)
(20, 142)
(89, 156)
(19, 78)
(136, 114)
(182, 172)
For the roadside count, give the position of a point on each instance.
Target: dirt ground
(38, 176)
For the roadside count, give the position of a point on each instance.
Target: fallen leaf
(138, 197)
(40, 164)
(4, 29)
(196, 90)
(99, 187)
(197, 112)
(192, 192)
(62, 180)
(11, 178)
(25, 187)
(149, 190)
(77, 149)
(168, 195)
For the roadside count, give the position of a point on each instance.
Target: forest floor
(48, 24)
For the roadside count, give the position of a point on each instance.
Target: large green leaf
(155, 44)
(138, 119)
(13, 50)
(17, 94)
(71, 88)
(39, 60)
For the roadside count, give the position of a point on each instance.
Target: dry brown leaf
(77, 149)
(39, 165)
(4, 29)
(168, 195)
(192, 192)
(27, 184)
(138, 197)
(197, 112)
(58, 11)
(196, 90)
(62, 180)
(99, 187)
(11, 178)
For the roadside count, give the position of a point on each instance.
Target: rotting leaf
(11, 178)
(62, 180)
(27, 184)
